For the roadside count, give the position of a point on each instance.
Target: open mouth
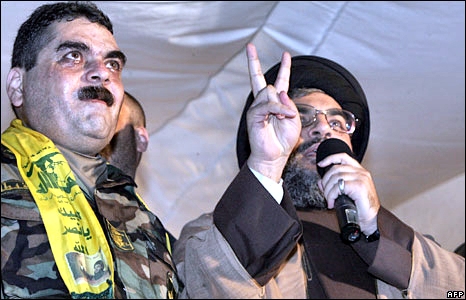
(311, 150)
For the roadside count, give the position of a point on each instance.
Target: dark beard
(301, 182)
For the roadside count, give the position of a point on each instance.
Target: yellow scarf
(77, 240)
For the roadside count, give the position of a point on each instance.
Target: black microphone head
(329, 147)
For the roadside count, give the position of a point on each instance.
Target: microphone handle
(347, 215)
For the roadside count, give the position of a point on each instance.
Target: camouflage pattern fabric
(138, 241)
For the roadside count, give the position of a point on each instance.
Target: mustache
(96, 92)
(301, 148)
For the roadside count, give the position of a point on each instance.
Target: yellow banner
(78, 242)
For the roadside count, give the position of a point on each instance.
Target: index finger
(256, 76)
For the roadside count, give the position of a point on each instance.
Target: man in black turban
(274, 233)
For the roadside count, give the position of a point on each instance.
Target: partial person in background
(274, 232)
(64, 209)
(129, 142)
(131, 138)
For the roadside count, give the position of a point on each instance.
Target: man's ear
(142, 139)
(14, 86)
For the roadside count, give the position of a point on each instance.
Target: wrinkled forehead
(92, 34)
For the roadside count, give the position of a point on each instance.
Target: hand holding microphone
(347, 213)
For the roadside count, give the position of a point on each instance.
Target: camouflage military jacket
(139, 243)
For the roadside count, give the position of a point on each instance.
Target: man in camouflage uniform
(64, 210)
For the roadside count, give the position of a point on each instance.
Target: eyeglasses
(338, 119)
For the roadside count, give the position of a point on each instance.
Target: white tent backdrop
(187, 65)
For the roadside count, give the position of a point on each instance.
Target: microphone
(346, 211)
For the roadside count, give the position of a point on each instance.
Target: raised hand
(273, 121)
